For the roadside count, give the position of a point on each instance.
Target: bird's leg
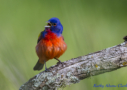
(59, 62)
(46, 67)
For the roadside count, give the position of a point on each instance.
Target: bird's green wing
(39, 37)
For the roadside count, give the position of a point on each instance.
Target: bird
(50, 44)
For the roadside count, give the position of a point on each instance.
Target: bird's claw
(47, 70)
(58, 63)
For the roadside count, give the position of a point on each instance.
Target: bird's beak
(48, 24)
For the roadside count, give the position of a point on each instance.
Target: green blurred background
(89, 26)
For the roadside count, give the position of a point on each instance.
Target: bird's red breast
(51, 46)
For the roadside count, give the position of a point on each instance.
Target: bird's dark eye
(54, 24)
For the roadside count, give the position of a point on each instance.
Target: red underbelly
(51, 48)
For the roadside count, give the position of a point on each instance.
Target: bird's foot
(60, 63)
(47, 70)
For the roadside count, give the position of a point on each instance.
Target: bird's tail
(38, 66)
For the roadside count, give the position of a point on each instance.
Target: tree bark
(76, 69)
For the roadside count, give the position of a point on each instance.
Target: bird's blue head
(55, 25)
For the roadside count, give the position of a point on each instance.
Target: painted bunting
(50, 43)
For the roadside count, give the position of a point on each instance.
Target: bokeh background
(89, 26)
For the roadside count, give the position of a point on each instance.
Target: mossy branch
(76, 69)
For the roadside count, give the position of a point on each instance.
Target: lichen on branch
(76, 69)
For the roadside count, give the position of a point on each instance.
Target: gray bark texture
(76, 69)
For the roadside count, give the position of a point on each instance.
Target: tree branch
(76, 69)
